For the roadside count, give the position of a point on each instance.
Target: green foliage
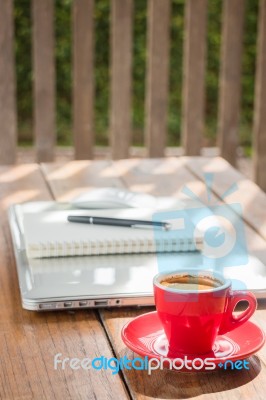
(175, 78)
(22, 18)
(102, 76)
(212, 68)
(139, 69)
(63, 58)
(63, 70)
(248, 74)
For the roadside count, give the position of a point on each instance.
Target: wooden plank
(259, 130)
(8, 116)
(193, 75)
(159, 177)
(121, 63)
(157, 76)
(164, 177)
(68, 180)
(83, 90)
(30, 340)
(44, 79)
(230, 78)
(219, 385)
(167, 177)
(247, 193)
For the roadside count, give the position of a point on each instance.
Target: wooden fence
(159, 12)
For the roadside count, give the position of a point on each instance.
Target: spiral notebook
(49, 234)
(102, 281)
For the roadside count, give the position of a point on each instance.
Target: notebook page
(49, 234)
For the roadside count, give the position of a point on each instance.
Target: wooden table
(29, 340)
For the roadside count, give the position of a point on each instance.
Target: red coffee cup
(192, 319)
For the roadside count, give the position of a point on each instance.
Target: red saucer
(145, 336)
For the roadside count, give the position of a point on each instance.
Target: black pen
(132, 223)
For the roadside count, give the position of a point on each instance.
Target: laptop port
(46, 306)
(83, 303)
(101, 303)
(68, 304)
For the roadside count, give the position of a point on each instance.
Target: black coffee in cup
(190, 282)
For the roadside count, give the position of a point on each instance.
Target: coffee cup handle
(230, 321)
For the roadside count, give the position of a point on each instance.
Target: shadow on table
(168, 384)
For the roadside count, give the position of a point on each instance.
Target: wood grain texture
(167, 177)
(219, 385)
(8, 116)
(121, 63)
(230, 78)
(247, 193)
(83, 90)
(69, 180)
(29, 340)
(162, 177)
(193, 75)
(157, 76)
(44, 79)
(259, 130)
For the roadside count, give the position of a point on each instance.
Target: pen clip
(164, 227)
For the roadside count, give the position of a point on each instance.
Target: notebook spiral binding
(93, 247)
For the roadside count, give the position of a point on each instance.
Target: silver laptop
(104, 281)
